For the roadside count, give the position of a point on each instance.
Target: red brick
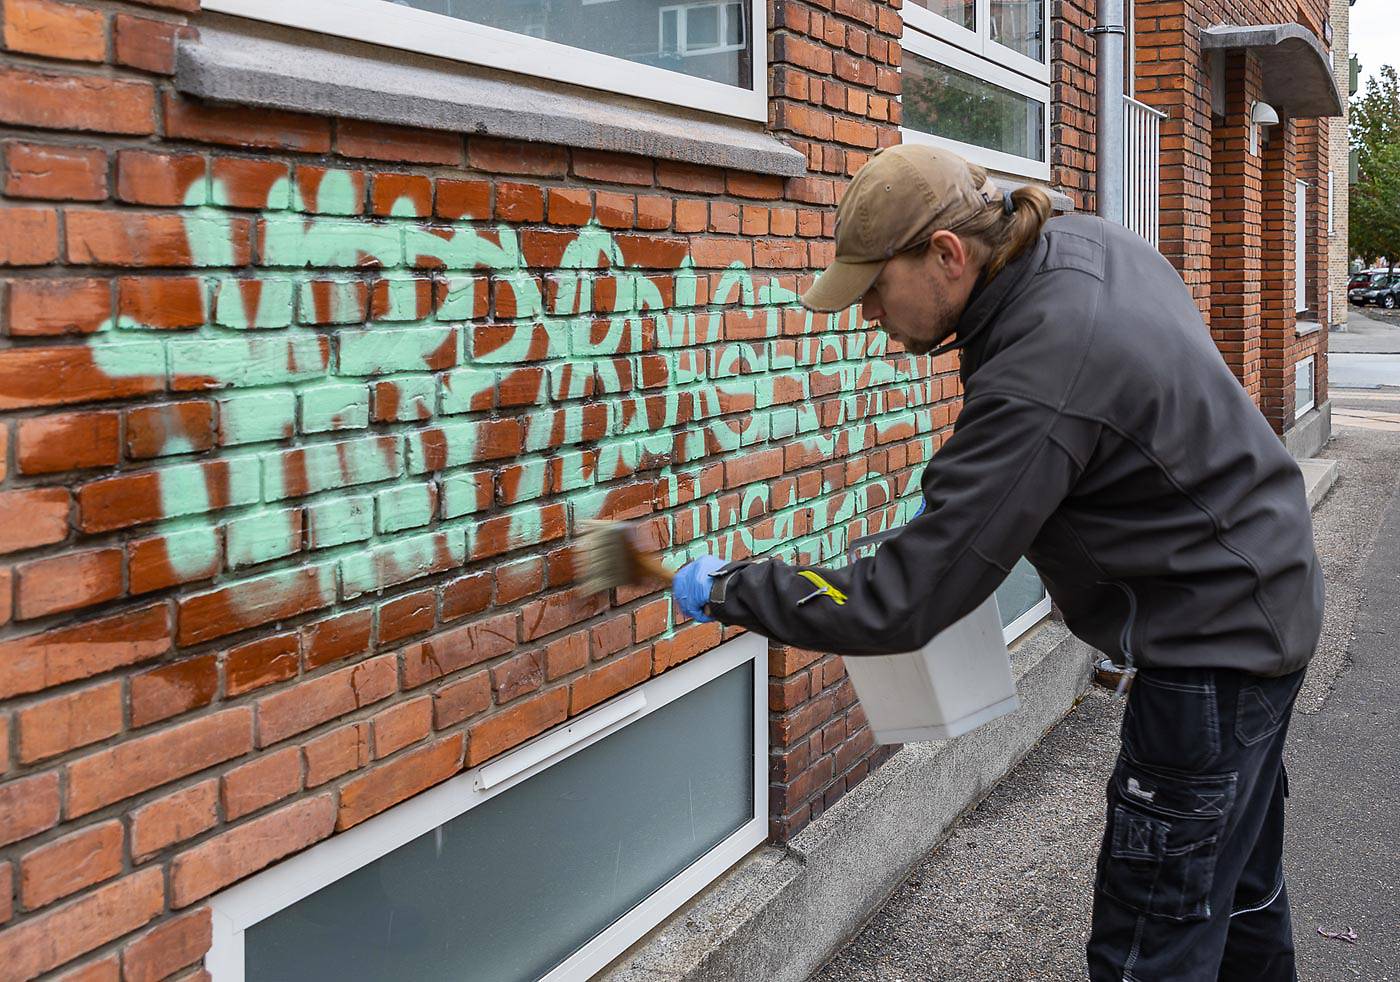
(613, 168)
(143, 43)
(309, 180)
(459, 700)
(38, 661)
(243, 183)
(310, 703)
(689, 641)
(76, 102)
(173, 689)
(463, 199)
(611, 636)
(615, 210)
(517, 676)
(247, 848)
(164, 950)
(32, 517)
(335, 753)
(68, 441)
(28, 236)
(148, 762)
(519, 202)
(513, 726)
(407, 615)
(28, 806)
(608, 680)
(71, 720)
(71, 863)
(68, 582)
(466, 596)
(55, 30)
(261, 662)
(251, 603)
(458, 648)
(689, 177)
(651, 619)
(557, 612)
(388, 192)
(7, 890)
(58, 936)
(654, 211)
(378, 141)
(260, 782)
(174, 818)
(402, 725)
(515, 157)
(238, 126)
(63, 173)
(106, 969)
(566, 655)
(54, 376)
(570, 206)
(186, 425)
(131, 238)
(150, 565)
(337, 637)
(400, 779)
(148, 178)
(47, 307)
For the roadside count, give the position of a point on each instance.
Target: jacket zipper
(1125, 641)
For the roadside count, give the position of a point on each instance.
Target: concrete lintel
(1298, 78)
(252, 64)
(781, 913)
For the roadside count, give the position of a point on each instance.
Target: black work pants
(1190, 873)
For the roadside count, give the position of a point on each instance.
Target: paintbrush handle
(653, 566)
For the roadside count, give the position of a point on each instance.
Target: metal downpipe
(1110, 35)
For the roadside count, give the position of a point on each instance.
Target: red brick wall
(1232, 271)
(290, 468)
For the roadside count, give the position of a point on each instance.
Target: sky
(1375, 35)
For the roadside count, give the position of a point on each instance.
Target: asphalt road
(1006, 896)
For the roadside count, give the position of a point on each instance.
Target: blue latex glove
(692, 586)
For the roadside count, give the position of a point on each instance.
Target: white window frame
(1300, 246)
(383, 23)
(1300, 411)
(241, 906)
(1331, 227)
(1021, 625)
(979, 42)
(683, 19)
(984, 70)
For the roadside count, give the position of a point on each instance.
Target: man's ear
(950, 252)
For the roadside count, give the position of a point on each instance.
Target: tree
(1375, 197)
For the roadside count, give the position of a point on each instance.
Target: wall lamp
(1260, 114)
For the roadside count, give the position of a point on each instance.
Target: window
(543, 864)
(700, 55)
(1331, 228)
(977, 81)
(1022, 600)
(1300, 246)
(1304, 386)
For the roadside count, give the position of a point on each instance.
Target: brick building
(326, 324)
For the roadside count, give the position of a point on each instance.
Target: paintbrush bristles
(607, 556)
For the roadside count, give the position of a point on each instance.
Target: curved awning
(1297, 75)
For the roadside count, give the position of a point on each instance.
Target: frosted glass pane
(683, 38)
(511, 888)
(1019, 592)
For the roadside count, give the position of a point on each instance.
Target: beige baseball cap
(899, 198)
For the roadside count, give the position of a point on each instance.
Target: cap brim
(841, 285)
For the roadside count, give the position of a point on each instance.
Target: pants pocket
(1264, 706)
(1163, 838)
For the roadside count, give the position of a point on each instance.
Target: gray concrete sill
(780, 913)
(247, 63)
(1304, 328)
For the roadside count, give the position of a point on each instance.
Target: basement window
(1304, 386)
(546, 863)
(700, 56)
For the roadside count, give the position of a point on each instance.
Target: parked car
(1381, 290)
(1362, 278)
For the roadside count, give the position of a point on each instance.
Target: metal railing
(1142, 177)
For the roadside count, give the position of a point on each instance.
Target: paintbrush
(607, 555)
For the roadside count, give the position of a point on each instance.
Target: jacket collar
(987, 301)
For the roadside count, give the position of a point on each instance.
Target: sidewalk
(1007, 895)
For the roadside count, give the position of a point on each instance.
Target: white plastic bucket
(955, 683)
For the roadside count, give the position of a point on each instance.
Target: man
(1103, 437)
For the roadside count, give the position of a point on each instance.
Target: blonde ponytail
(1005, 236)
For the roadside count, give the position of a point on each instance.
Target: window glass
(705, 40)
(1304, 386)
(1020, 26)
(952, 104)
(1019, 592)
(509, 889)
(960, 12)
